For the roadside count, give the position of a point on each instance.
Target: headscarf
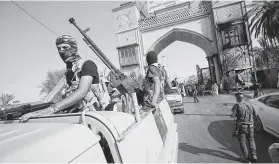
(151, 57)
(239, 96)
(70, 54)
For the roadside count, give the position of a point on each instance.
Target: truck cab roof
(47, 142)
(48, 139)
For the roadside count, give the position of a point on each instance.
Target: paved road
(205, 133)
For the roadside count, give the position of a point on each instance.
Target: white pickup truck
(92, 137)
(174, 99)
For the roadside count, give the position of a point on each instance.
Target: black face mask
(67, 56)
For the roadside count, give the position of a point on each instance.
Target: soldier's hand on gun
(155, 105)
(46, 111)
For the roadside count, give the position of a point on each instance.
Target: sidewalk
(250, 93)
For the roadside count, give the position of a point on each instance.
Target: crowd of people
(196, 89)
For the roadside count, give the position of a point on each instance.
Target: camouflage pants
(246, 133)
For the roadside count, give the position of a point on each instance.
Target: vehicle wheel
(258, 125)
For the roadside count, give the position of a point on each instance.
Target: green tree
(6, 100)
(50, 82)
(265, 19)
(266, 56)
(192, 80)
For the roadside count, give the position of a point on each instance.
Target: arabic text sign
(158, 5)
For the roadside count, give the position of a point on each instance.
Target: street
(205, 133)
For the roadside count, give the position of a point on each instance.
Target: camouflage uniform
(95, 99)
(148, 84)
(244, 130)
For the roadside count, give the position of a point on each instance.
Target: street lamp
(162, 60)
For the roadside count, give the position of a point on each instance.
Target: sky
(28, 51)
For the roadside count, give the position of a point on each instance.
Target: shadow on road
(197, 151)
(200, 114)
(227, 104)
(263, 140)
(188, 102)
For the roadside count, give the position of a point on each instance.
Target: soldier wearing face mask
(82, 90)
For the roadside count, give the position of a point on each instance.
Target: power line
(49, 28)
(35, 18)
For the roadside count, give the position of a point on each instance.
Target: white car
(267, 108)
(174, 99)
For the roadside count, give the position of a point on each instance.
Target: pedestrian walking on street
(195, 92)
(212, 90)
(174, 83)
(244, 113)
(225, 80)
(215, 89)
(202, 89)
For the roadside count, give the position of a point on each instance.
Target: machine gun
(10, 114)
(123, 83)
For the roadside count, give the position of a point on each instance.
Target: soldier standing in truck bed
(195, 93)
(152, 84)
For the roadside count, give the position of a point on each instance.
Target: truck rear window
(172, 92)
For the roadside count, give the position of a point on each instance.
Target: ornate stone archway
(192, 37)
(184, 35)
(138, 31)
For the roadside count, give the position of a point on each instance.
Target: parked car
(174, 99)
(267, 108)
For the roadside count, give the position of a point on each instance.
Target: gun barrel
(21, 110)
(122, 82)
(94, 47)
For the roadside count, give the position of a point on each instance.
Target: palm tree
(265, 19)
(262, 53)
(266, 55)
(52, 78)
(5, 100)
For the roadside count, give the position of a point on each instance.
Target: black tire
(258, 125)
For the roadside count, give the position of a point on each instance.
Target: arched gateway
(142, 26)
(184, 35)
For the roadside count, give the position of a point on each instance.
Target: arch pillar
(211, 68)
(217, 69)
